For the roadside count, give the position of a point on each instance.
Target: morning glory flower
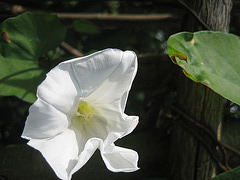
(80, 108)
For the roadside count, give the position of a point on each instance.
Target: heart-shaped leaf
(23, 40)
(211, 58)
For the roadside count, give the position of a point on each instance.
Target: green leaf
(233, 174)
(84, 26)
(211, 58)
(23, 40)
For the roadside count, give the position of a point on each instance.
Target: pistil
(84, 111)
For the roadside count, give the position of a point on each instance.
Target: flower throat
(84, 111)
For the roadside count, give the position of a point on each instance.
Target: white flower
(80, 108)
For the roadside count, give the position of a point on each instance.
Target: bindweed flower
(80, 108)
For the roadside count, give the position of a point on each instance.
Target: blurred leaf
(233, 174)
(84, 26)
(23, 40)
(211, 58)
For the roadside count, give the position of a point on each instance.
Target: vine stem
(118, 17)
(195, 14)
(221, 145)
(71, 50)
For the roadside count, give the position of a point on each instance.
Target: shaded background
(153, 92)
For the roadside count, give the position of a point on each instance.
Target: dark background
(153, 92)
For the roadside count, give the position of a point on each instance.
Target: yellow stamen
(84, 111)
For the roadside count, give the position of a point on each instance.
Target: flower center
(84, 111)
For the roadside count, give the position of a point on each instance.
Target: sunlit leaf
(211, 58)
(23, 40)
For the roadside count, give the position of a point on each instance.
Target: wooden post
(189, 159)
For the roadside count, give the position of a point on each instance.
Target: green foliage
(24, 39)
(233, 174)
(86, 27)
(211, 58)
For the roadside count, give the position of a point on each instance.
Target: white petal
(121, 160)
(59, 88)
(61, 152)
(91, 71)
(129, 124)
(77, 78)
(94, 128)
(114, 120)
(119, 82)
(44, 121)
(110, 98)
(66, 153)
(118, 159)
(90, 147)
